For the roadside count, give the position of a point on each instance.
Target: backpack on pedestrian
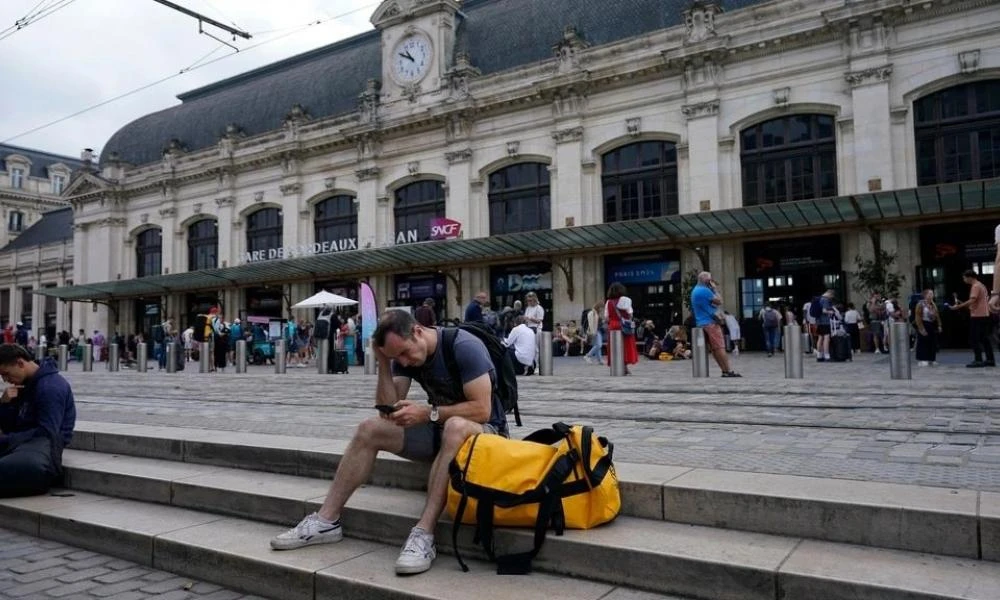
(815, 308)
(559, 478)
(771, 318)
(503, 363)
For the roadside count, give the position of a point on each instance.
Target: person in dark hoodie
(37, 416)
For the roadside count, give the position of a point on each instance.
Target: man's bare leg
(456, 431)
(721, 358)
(356, 466)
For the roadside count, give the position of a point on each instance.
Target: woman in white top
(534, 314)
(852, 318)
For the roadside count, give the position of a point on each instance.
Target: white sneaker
(418, 553)
(922, 363)
(877, 351)
(310, 531)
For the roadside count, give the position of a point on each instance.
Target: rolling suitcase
(339, 362)
(840, 348)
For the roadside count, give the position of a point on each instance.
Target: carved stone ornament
(571, 134)
(699, 20)
(224, 201)
(410, 92)
(368, 102)
(633, 126)
(330, 183)
(700, 110)
(567, 50)
(144, 218)
(196, 209)
(460, 75)
(458, 156)
(781, 96)
(968, 62)
(413, 167)
(869, 76)
(369, 146)
(458, 126)
(110, 222)
(367, 173)
(513, 149)
(168, 212)
(233, 130)
(289, 189)
(258, 196)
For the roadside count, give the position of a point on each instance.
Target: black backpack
(815, 308)
(158, 334)
(503, 364)
(200, 322)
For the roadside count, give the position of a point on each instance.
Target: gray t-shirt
(826, 305)
(473, 360)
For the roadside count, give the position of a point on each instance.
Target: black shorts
(422, 442)
(823, 329)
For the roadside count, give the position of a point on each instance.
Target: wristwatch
(434, 414)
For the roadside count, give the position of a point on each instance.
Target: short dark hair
(399, 322)
(10, 353)
(970, 273)
(616, 290)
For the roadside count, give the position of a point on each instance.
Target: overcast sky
(94, 50)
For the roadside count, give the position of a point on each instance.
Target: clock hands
(407, 56)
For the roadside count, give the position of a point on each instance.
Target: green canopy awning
(924, 204)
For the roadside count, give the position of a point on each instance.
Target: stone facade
(698, 85)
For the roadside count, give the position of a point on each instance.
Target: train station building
(556, 146)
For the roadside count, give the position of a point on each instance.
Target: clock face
(411, 58)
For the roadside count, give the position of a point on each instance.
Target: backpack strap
(448, 335)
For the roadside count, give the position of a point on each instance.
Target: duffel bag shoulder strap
(458, 481)
(557, 433)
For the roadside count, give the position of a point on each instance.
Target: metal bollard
(204, 357)
(88, 357)
(793, 352)
(241, 356)
(40, 352)
(63, 357)
(323, 357)
(172, 349)
(899, 351)
(699, 353)
(371, 365)
(545, 354)
(616, 350)
(113, 357)
(279, 356)
(140, 357)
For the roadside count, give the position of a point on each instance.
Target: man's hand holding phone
(407, 413)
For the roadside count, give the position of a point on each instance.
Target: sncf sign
(445, 229)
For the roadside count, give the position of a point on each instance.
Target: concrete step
(944, 521)
(658, 556)
(235, 553)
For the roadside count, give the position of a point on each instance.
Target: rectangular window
(4, 307)
(27, 305)
(16, 178)
(58, 183)
(15, 221)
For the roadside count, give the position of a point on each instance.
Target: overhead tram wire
(184, 71)
(34, 16)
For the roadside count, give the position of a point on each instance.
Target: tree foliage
(877, 274)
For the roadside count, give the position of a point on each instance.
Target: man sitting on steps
(37, 416)
(420, 432)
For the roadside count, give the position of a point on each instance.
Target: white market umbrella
(325, 298)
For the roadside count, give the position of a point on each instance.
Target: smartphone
(386, 408)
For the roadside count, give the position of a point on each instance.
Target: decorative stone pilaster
(700, 110)
(870, 76)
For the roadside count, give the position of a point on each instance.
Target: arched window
(203, 245)
(958, 133)
(149, 253)
(264, 232)
(519, 199)
(639, 181)
(416, 205)
(789, 158)
(337, 223)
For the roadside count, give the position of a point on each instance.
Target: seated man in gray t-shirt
(415, 430)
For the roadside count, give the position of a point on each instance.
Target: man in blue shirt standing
(705, 302)
(823, 326)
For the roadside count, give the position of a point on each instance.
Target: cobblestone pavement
(33, 569)
(844, 420)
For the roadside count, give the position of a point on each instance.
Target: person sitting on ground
(434, 432)
(676, 342)
(522, 345)
(570, 337)
(37, 416)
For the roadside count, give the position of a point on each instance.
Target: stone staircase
(205, 503)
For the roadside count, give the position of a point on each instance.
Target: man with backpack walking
(458, 369)
(771, 319)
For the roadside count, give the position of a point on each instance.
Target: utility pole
(203, 19)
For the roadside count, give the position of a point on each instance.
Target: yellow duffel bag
(561, 477)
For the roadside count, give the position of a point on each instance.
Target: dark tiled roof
(54, 226)
(40, 161)
(497, 34)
